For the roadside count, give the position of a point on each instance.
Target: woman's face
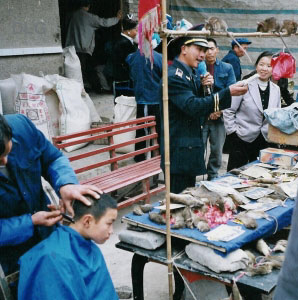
(264, 68)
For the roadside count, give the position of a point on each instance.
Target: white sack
(72, 64)
(207, 257)
(147, 240)
(8, 90)
(75, 115)
(31, 101)
(125, 110)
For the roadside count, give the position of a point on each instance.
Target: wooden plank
(86, 138)
(112, 147)
(118, 158)
(149, 122)
(152, 164)
(142, 196)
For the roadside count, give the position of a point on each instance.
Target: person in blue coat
(214, 127)
(25, 156)
(188, 108)
(146, 89)
(287, 284)
(233, 55)
(68, 264)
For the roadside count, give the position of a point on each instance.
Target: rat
(217, 24)
(268, 25)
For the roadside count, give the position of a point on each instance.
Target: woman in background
(244, 120)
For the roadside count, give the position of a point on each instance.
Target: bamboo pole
(174, 33)
(166, 145)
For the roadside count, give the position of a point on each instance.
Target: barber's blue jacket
(21, 195)
(234, 60)
(187, 112)
(145, 80)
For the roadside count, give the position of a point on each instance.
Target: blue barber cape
(65, 266)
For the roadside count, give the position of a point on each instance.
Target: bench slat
(118, 158)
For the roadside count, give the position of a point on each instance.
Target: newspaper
(290, 188)
(257, 172)
(257, 192)
(224, 233)
(259, 206)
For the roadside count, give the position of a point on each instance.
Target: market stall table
(261, 284)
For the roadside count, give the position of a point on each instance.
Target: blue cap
(241, 41)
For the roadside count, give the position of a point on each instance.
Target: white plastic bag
(125, 110)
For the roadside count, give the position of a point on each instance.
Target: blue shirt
(21, 195)
(65, 266)
(145, 80)
(234, 60)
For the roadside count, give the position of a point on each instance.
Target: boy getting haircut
(68, 264)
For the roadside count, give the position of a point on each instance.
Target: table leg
(179, 286)
(137, 276)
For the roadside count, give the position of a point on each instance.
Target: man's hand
(238, 89)
(207, 79)
(215, 115)
(46, 218)
(71, 192)
(119, 14)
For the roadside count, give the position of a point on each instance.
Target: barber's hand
(238, 89)
(46, 218)
(207, 79)
(71, 192)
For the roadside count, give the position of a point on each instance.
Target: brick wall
(131, 7)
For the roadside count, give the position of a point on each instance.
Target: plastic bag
(283, 66)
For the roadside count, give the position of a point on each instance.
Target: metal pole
(166, 145)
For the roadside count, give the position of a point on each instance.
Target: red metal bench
(119, 177)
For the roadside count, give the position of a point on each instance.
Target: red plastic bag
(283, 66)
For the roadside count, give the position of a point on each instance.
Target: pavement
(155, 275)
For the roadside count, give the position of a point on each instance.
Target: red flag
(149, 21)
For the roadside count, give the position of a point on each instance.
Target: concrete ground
(119, 261)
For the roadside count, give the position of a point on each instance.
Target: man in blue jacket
(188, 108)
(213, 127)
(25, 156)
(233, 56)
(146, 89)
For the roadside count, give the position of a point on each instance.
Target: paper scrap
(259, 206)
(224, 233)
(172, 206)
(257, 172)
(290, 188)
(257, 192)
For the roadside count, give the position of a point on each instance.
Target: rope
(185, 282)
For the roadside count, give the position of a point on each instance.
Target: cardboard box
(279, 137)
(282, 157)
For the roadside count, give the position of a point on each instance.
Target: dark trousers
(144, 110)
(180, 182)
(88, 72)
(243, 152)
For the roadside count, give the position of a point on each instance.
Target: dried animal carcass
(289, 27)
(247, 221)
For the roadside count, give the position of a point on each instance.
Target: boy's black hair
(97, 209)
(5, 134)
